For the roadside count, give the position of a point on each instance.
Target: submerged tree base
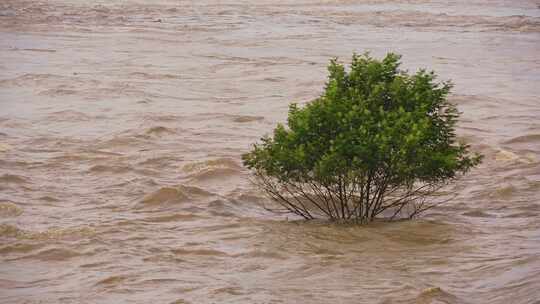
(312, 201)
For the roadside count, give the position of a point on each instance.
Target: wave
(211, 169)
(49, 199)
(121, 142)
(19, 248)
(9, 209)
(478, 213)
(221, 208)
(159, 131)
(530, 138)
(112, 280)
(506, 156)
(57, 92)
(5, 147)
(85, 18)
(120, 169)
(204, 252)
(235, 118)
(246, 118)
(419, 19)
(165, 195)
(70, 233)
(165, 118)
(10, 231)
(522, 215)
(148, 76)
(172, 218)
(247, 197)
(437, 295)
(504, 192)
(13, 179)
(213, 173)
(71, 116)
(172, 195)
(53, 254)
(32, 80)
(258, 254)
(110, 169)
(162, 161)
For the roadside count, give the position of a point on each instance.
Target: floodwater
(122, 123)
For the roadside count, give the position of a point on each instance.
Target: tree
(378, 142)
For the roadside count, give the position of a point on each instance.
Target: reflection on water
(121, 129)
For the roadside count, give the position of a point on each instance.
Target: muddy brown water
(122, 124)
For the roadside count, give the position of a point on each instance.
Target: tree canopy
(377, 141)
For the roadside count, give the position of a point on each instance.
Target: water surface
(121, 129)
